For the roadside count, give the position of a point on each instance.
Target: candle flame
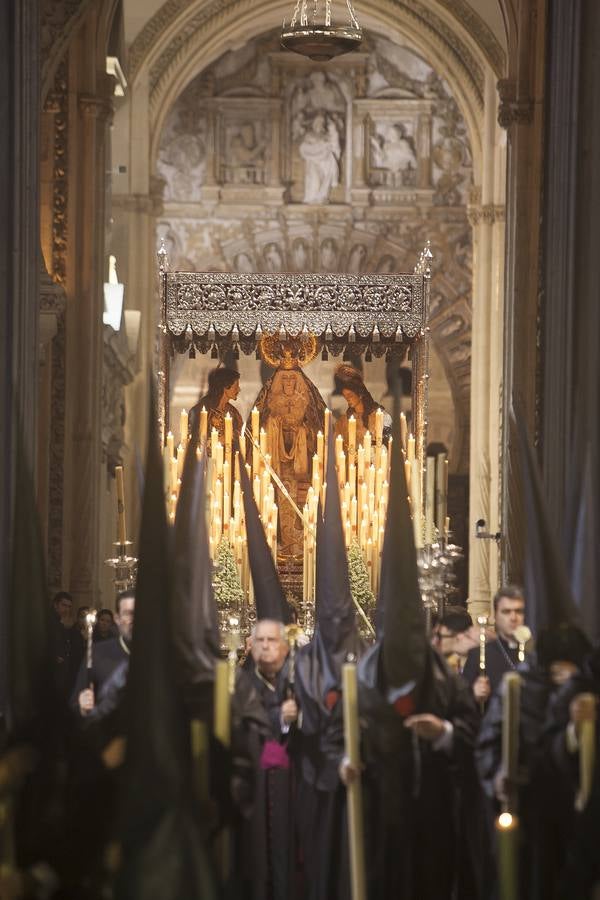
(505, 820)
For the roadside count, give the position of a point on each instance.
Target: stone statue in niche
(320, 149)
(393, 155)
(317, 128)
(242, 263)
(329, 255)
(272, 257)
(182, 164)
(300, 255)
(246, 151)
(358, 256)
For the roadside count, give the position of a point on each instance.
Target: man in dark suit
(501, 654)
(109, 657)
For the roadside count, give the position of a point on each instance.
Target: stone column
(92, 108)
(521, 113)
(19, 262)
(486, 215)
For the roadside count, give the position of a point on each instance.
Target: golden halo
(288, 352)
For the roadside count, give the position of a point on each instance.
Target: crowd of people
(164, 802)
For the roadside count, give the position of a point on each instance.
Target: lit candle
(203, 426)
(352, 479)
(403, 431)
(219, 459)
(348, 532)
(360, 454)
(342, 470)
(353, 513)
(410, 453)
(214, 442)
(320, 447)
(429, 499)
(183, 427)
(507, 855)
(255, 423)
(367, 448)
(121, 529)
(378, 435)
(256, 486)
(371, 480)
(228, 437)
(327, 423)
(442, 489)
(170, 445)
(415, 496)
(263, 442)
(351, 440)
(174, 478)
(180, 460)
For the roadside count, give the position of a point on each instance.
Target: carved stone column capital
(513, 110)
(95, 107)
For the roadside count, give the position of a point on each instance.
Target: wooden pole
(354, 789)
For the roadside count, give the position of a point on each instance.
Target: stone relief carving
(246, 147)
(393, 155)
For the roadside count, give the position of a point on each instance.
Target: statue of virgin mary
(292, 412)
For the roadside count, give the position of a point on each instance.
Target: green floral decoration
(226, 583)
(360, 586)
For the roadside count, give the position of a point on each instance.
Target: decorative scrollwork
(197, 302)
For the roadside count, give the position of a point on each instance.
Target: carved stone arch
(174, 61)
(60, 20)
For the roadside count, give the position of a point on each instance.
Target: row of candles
(363, 481)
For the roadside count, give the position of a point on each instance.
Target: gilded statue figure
(292, 412)
(223, 387)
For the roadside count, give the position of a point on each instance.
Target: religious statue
(291, 413)
(223, 387)
(320, 149)
(350, 382)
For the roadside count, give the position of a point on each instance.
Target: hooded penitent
(157, 816)
(195, 626)
(268, 592)
(400, 617)
(336, 634)
(548, 598)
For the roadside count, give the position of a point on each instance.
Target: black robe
(107, 658)
(273, 823)
(411, 788)
(321, 796)
(544, 801)
(579, 844)
(499, 658)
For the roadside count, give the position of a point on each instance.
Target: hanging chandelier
(312, 33)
